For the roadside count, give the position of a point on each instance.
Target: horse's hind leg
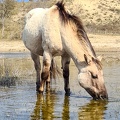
(37, 65)
(45, 75)
(65, 67)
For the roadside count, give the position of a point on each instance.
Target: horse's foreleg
(65, 66)
(37, 65)
(45, 75)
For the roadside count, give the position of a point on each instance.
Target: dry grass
(13, 69)
(101, 16)
(98, 16)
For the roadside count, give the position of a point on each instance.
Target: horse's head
(91, 79)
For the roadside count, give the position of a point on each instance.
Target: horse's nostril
(102, 97)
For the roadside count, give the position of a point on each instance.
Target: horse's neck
(74, 47)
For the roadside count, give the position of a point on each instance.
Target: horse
(54, 31)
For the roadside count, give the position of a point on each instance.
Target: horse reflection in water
(55, 32)
(44, 107)
(94, 110)
(66, 108)
(47, 107)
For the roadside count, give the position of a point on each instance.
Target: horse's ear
(100, 58)
(94, 59)
(87, 60)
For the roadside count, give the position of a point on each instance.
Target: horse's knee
(45, 75)
(44, 79)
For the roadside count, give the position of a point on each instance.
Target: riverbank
(12, 46)
(99, 42)
(104, 43)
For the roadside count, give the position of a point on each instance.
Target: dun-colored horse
(55, 32)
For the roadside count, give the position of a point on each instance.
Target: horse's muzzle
(98, 95)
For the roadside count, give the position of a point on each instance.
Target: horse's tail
(54, 70)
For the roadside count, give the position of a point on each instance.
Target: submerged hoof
(67, 92)
(39, 91)
(37, 87)
(47, 90)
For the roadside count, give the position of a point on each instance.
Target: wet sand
(99, 42)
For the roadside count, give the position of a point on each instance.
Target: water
(19, 101)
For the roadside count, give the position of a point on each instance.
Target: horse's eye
(93, 75)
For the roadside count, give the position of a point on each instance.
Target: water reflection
(36, 113)
(66, 110)
(44, 107)
(94, 110)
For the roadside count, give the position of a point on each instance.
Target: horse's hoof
(48, 90)
(37, 87)
(67, 92)
(40, 92)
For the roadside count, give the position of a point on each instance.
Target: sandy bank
(99, 42)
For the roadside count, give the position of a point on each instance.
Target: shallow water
(19, 101)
